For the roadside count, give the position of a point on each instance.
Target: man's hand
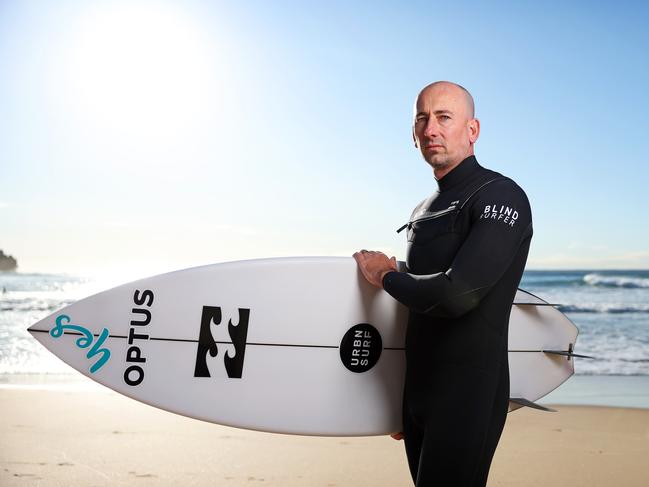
(397, 436)
(375, 265)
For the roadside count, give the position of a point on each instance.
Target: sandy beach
(97, 437)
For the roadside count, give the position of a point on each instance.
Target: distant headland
(7, 262)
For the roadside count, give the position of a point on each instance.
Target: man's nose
(432, 127)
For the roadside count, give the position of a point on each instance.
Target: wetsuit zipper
(434, 215)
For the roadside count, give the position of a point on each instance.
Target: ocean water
(610, 308)
(25, 299)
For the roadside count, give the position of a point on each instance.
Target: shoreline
(625, 391)
(98, 437)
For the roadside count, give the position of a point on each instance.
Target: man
(467, 247)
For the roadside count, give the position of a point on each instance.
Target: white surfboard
(293, 345)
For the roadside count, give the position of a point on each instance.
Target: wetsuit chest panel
(435, 254)
(436, 234)
(434, 238)
(430, 225)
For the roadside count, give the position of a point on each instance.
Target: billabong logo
(206, 343)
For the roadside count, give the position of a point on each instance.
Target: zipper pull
(402, 227)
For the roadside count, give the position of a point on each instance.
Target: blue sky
(142, 136)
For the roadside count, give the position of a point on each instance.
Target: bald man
(467, 248)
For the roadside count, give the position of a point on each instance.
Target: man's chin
(436, 163)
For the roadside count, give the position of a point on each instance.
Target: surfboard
(300, 345)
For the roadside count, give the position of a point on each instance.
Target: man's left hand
(374, 266)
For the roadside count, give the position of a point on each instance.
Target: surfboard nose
(41, 327)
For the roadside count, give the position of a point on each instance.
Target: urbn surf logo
(207, 344)
(360, 348)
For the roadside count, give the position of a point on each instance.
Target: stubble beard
(438, 161)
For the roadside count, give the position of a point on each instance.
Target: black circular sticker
(361, 347)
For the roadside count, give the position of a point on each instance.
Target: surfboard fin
(569, 353)
(566, 354)
(521, 401)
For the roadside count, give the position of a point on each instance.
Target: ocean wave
(616, 366)
(616, 281)
(550, 279)
(25, 305)
(41, 307)
(615, 352)
(603, 308)
(612, 374)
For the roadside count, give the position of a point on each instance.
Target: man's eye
(421, 119)
(444, 117)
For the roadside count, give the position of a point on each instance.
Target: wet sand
(97, 438)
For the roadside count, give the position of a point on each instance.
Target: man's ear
(474, 130)
(414, 139)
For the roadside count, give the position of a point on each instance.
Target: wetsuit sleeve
(501, 221)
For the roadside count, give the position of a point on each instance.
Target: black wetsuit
(467, 247)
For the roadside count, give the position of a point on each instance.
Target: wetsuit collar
(458, 174)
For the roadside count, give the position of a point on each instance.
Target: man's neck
(440, 172)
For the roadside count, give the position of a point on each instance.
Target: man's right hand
(374, 266)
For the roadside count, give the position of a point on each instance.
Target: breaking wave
(616, 281)
(603, 308)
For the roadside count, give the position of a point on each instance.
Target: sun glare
(148, 70)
